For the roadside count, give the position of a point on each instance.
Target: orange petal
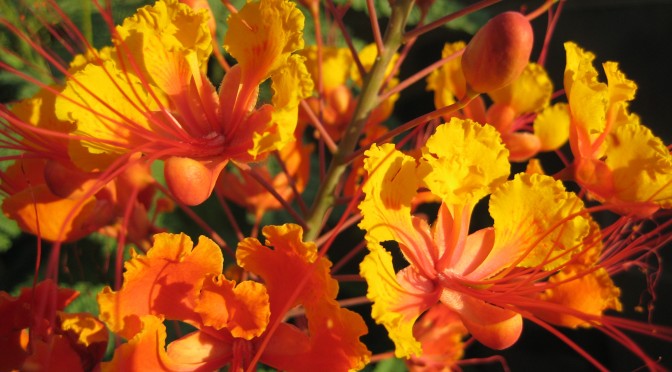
(55, 354)
(145, 351)
(493, 326)
(242, 309)
(166, 282)
(201, 350)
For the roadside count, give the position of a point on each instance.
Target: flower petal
(243, 309)
(466, 161)
(397, 300)
(166, 282)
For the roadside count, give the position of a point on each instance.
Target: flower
(538, 228)
(617, 159)
(178, 282)
(122, 102)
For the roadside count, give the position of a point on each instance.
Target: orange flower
(177, 282)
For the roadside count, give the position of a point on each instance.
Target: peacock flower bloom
(123, 102)
(538, 228)
(287, 179)
(64, 341)
(177, 282)
(616, 158)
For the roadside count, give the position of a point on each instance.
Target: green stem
(368, 101)
(87, 28)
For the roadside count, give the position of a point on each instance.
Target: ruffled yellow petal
(167, 28)
(530, 92)
(537, 223)
(551, 126)
(465, 160)
(641, 166)
(336, 64)
(291, 83)
(448, 82)
(579, 65)
(262, 35)
(395, 306)
(621, 89)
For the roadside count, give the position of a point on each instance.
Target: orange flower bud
(191, 181)
(498, 53)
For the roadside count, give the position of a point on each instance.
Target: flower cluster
(433, 232)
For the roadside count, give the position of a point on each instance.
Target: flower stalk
(374, 80)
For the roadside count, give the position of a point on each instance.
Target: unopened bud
(191, 181)
(498, 53)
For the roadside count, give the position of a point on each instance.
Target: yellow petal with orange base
(395, 305)
(165, 27)
(291, 83)
(110, 110)
(262, 35)
(537, 223)
(391, 185)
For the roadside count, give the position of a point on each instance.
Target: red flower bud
(498, 53)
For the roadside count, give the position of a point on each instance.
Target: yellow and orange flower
(122, 101)
(538, 228)
(620, 161)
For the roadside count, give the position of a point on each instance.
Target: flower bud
(498, 53)
(191, 181)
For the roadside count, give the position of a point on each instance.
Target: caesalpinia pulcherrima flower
(538, 228)
(177, 281)
(122, 102)
(617, 159)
